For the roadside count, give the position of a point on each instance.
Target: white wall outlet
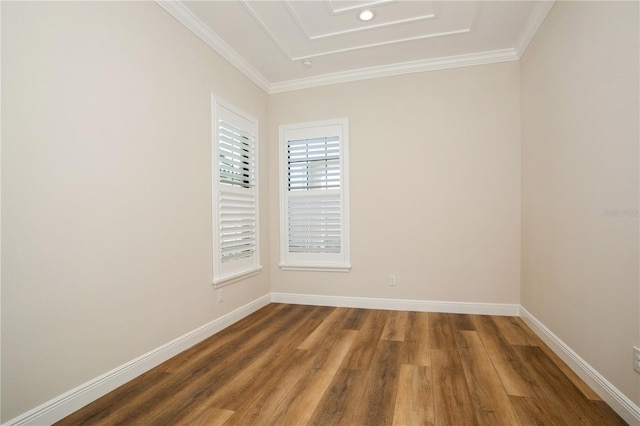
(220, 296)
(392, 279)
(636, 359)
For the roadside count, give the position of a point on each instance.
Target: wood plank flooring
(299, 365)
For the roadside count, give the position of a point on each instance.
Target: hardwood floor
(298, 365)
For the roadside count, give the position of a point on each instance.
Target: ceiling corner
(540, 12)
(439, 60)
(180, 12)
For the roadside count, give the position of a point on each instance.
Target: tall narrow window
(235, 194)
(314, 196)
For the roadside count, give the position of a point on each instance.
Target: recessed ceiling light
(366, 15)
(307, 63)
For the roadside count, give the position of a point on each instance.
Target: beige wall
(435, 184)
(106, 190)
(580, 164)
(106, 245)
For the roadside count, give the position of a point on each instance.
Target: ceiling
(270, 41)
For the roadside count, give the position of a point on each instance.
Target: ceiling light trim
(181, 13)
(364, 5)
(301, 26)
(309, 36)
(504, 55)
(374, 26)
(366, 15)
(292, 58)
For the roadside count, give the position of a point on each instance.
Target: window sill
(230, 279)
(342, 267)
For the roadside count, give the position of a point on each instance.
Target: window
(314, 196)
(235, 194)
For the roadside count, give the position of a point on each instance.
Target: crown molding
(540, 12)
(188, 19)
(397, 69)
(176, 9)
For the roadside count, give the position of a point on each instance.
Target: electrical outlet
(392, 279)
(220, 296)
(636, 359)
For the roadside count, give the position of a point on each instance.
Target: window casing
(235, 194)
(314, 196)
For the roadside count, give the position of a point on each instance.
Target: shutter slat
(314, 164)
(237, 226)
(233, 132)
(235, 162)
(318, 250)
(314, 206)
(236, 153)
(236, 255)
(315, 141)
(236, 156)
(314, 223)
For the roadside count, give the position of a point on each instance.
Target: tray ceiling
(285, 45)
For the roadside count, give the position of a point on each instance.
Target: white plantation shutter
(235, 207)
(314, 223)
(314, 164)
(314, 196)
(237, 226)
(237, 156)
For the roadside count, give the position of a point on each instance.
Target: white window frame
(326, 261)
(228, 271)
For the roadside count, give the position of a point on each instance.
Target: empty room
(320, 212)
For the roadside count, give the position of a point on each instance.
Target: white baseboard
(622, 405)
(60, 407)
(63, 405)
(399, 304)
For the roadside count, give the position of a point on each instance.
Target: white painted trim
(69, 402)
(335, 10)
(179, 11)
(230, 279)
(288, 266)
(372, 25)
(241, 268)
(385, 43)
(200, 29)
(397, 69)
(626, 408)
(337, 262)
(303, 29)
(540, 11)
(502, 309)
